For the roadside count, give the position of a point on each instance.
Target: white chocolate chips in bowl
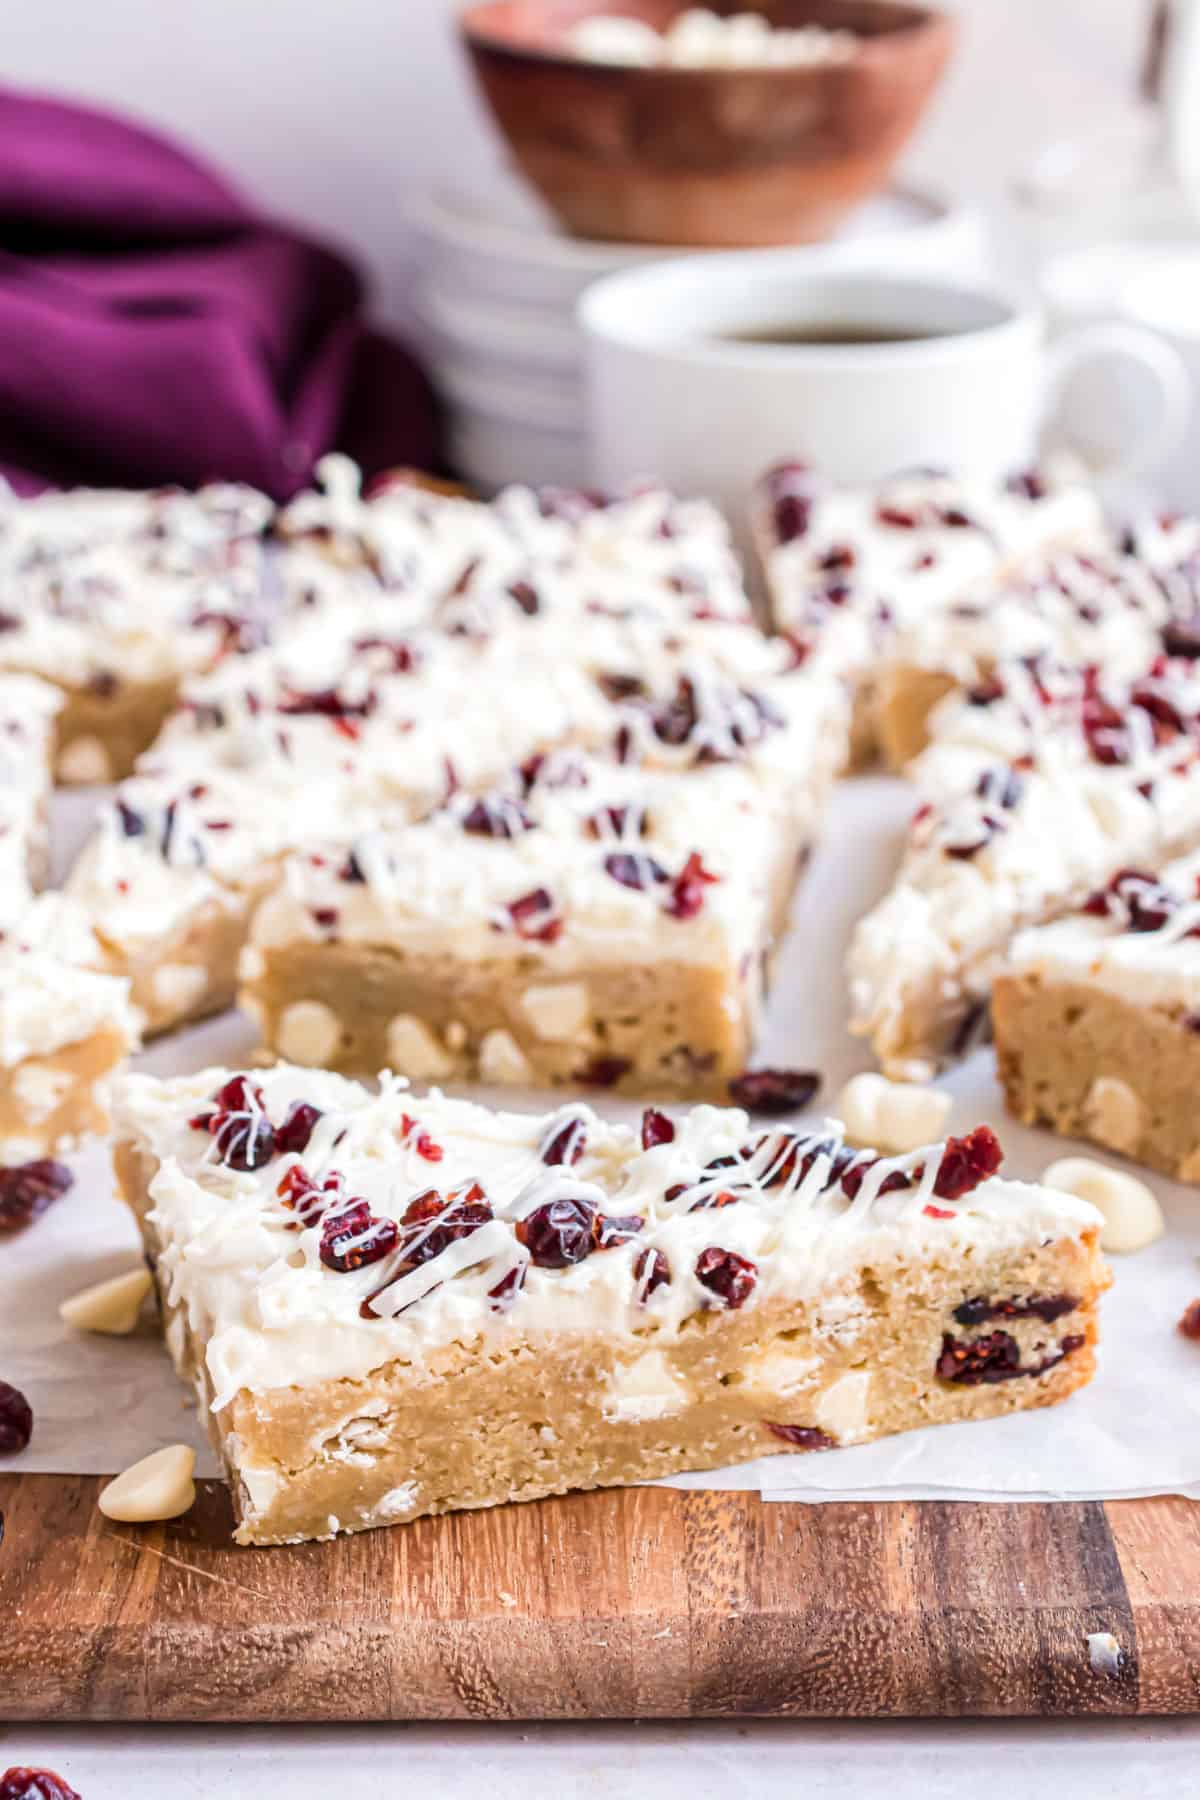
(700, 39)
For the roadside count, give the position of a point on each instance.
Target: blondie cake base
(103, 729)
(538, 1415)
(1088, 1064)
(673, 1028)
(49, 1103)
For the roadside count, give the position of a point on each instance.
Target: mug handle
(1163, 377)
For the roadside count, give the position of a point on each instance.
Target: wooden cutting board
(636, 1603)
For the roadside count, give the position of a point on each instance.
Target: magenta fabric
(154, 328)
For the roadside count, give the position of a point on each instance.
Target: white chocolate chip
(558, 1011)
(109, 1306)
(645, 1389)
(158, 1487)
(1112, 1113)
(456, 1035)
(413, 1050)
(40, 1090)
(252, 964)
(842, 1409)
(1132, 1215)
(83, 760)
(895, 1116)
(308, 1033)
(780, 1372)
(179, 985)
(501, 1059)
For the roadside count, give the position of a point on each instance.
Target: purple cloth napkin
(155, 329)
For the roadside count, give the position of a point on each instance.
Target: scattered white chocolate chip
(1105, 1653)
(252, 964)
(414, 1051)
(1112, 1113)
(308, 1033)
(781, 1372)
(109, 1306)
(558, 1011)
(501, 1059)
(456, 1035)
(83, 760)
(895, 1116)
(1132, 1215)
(158, 1487)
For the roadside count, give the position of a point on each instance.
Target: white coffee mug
(1165, 296)
(699, 375)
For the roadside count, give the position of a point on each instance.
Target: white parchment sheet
(100, 1403)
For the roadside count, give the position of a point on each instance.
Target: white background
(336, 112)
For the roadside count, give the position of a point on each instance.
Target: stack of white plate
(495, 303)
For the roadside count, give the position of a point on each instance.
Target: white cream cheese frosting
(238, 1258)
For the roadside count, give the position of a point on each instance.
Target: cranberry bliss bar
(391, 1306)
(1037, 788)
(1097, 1020)
(944, 578)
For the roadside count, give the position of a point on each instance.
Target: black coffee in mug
(831, 331)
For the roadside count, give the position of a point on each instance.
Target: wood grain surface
(636, 1603)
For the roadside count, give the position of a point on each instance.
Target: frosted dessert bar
(28, 709)
(1037, 788)
(391, 1306)
(116, 596)
(586, 921)
(945, 578)
(65, 1028)
(1097, 1020)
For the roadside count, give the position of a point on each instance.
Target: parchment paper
(100, 1403)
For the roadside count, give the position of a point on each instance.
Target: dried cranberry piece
(1138, 900)
(731, 1277)
(421, 1142)
(566, 1145)
(792, 488)
(617, 686)
(805, 1437)
(352, 1237)
(604, 1071)
(133, 824)
(327, 703)
(1105, 732)
(1181, 637)
(634, 869)
(244, 1141)
(898, 517)
(657, 1128)
(617, 822)
(774, 1091)
(985, 693)
(1189, 1324)
(1001, 786)
(459, 1215)
(29, 1189)
(996, 1357)
(675, 722)
(854, 1175)
(499, 818)
(526, 597)
(529, 916)
(1047, 1307)
(687, 890)
(651, 1271)
(9, 622)
(404, 657)
(1028, 484)
(558, 1233)
(507, 1288)
(16, 1420)
(20, 1783)
(966, 1161)
(291, 1138)
(611, 1229)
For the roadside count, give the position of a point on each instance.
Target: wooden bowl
(713, 157)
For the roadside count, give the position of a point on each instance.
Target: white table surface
(753, 1760)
